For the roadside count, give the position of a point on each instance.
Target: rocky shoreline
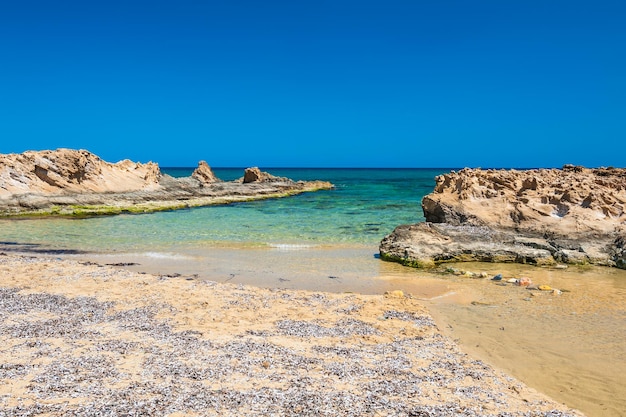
(572, 215)
(69, 182)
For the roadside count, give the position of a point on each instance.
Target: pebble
(394, 294)
(545, 288)
(524, 282)
(497, 278)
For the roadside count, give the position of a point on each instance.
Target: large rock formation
(67, 170)
(77, 182)
(204, 174)
(541, 216)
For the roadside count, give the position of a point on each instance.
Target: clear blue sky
(317, 83)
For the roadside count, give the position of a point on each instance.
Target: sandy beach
(84, 339)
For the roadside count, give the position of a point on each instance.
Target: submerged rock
(573, 215)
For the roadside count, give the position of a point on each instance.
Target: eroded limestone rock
(77, 182)
(204, 173)
(572, 215)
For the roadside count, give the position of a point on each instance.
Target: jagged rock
(204, 173)
(254, 174)
(561, 202)
(71, 182)
(574, 215)
(68, 170)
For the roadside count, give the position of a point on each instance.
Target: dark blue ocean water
(365, 205)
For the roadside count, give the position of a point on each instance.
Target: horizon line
(365, 167)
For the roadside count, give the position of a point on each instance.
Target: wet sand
(86, 339)
(571, 346)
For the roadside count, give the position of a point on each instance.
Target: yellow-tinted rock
(394, 294)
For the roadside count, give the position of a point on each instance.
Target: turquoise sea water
(365, 206)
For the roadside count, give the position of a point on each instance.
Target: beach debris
(497, 277)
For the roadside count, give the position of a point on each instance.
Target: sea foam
(291, 246)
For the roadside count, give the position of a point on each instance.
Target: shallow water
(571, 346)
(366, 205)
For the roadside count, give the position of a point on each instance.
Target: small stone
(545, 288)
(513, 281)
(394, 294)
(532, 287)
(556, 292)
(483, 275)
(560, 266)
(497, 278)
(524, 282)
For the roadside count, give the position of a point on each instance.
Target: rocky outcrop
(204, 174)
(254, 174)
(572, 215)
(77, 182)
(67, 170)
